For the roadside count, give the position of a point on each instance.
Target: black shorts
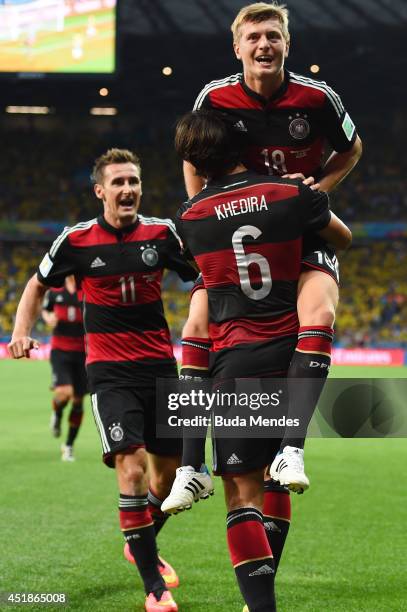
(317, 255)
(264, 360)
(126, 419)
(68, 368)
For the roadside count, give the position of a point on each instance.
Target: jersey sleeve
(57, 264)
(340, 131)
(317, 213)
(176, 258)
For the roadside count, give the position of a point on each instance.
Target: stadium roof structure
(150, 17)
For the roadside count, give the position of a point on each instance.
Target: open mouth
(264, 60)
(127, 203)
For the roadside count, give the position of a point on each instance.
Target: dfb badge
(149, 255)
(299, 127)
(116, 432)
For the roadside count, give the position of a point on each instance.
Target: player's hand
(310, 181)
(21, 347)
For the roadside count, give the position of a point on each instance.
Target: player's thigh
(119, 418)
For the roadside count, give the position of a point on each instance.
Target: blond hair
(261, 11)
(113, 156)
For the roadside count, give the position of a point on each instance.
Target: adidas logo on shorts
(233, 460)
(264, 569)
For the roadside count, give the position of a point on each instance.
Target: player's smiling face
(262, 50)
(120, 193)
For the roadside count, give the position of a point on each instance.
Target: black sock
(138, 530)
(252, 558)
(75, 421)
(310, 363)
(277, 516)
(193, 451)
(159, 517)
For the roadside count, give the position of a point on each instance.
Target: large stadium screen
(57, 36)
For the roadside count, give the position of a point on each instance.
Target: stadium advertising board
(57, 36)
(368, 357)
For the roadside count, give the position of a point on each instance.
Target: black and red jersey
(68, 334)
(120, 272)
(245, 233)
(289, 132)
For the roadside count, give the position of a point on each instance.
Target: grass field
(59, 525)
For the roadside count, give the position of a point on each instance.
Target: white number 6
(243, 262)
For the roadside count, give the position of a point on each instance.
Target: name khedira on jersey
(240, 207)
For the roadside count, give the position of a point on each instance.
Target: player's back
(245, 233)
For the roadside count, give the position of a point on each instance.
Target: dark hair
(113, 156)
(210, 142)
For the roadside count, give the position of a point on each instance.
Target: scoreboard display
(57, 36)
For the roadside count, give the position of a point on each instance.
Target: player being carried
(254, 323)
(290, 122)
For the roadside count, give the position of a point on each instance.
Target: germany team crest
(299, 127)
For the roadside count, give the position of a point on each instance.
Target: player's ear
(99, 191)
(287, 48)
(237, 50)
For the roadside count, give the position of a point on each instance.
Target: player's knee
(64, 394)
(132, 469)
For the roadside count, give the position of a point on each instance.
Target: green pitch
(59, 523)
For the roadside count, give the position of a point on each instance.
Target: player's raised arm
(337, 233)
(338, 166)
(28, 311)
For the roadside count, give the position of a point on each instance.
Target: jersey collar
(265, 101)
(229, 179)
(113, 230)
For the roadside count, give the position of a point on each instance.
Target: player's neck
(237, 169)
(120, 223)
(265, 87)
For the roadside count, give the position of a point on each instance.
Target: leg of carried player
(317, 301)
(192, 481)
(249, 549)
